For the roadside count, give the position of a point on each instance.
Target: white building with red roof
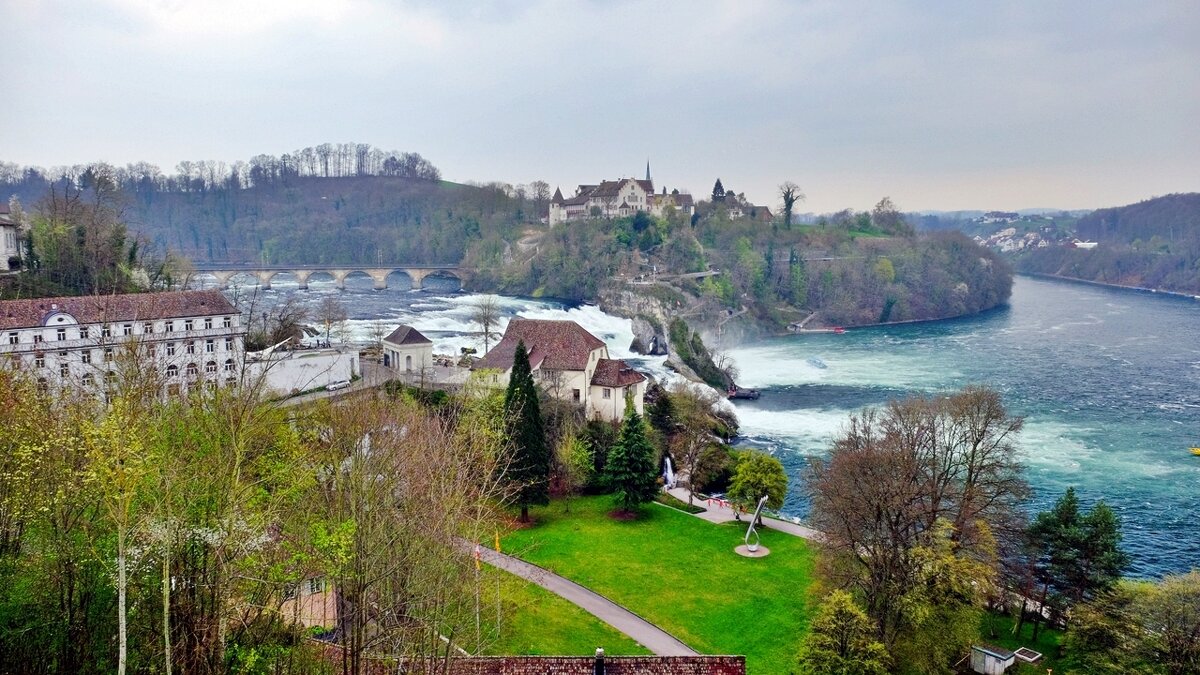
(408, 351)
(188, 338)
(569, 363)
(617, 199)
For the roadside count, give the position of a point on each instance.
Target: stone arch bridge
(224, 272)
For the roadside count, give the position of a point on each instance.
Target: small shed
(991, 660)
(408, 351)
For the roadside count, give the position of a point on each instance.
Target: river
(1108, 381)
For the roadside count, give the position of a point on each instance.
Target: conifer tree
(632, 470)
(530, 466)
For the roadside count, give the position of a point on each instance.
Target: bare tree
(486, 313)
(331, 314)
(693, 444)
(895, 476)
(790, 193)
(540, 192)
(400, 584)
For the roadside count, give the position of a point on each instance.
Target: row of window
(106, 331)
(85, 356)
(191, 369)
(173, 389)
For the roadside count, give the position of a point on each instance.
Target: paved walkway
(658, 641)
(722, 512)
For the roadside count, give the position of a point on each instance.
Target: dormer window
(61, 333)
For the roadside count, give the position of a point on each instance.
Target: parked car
(340, 384)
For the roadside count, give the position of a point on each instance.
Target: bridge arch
(353, 274)
(311, 276)
(440, 277)
(401, 279)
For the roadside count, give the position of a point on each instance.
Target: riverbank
(1105, 284)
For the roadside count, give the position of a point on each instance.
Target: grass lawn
(681, 573)
(539, 622)
(1047, 643)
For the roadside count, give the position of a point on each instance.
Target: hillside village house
(191, 338)
(408, 351)
(617, 199)
(10, 246)
(571, 364)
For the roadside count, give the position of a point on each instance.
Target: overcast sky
(940, 105)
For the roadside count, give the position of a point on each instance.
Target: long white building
(189, 338)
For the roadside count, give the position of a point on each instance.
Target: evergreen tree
(632, 471)
(841, 640)
(718, 193)
(1079, 553)
(530, 467)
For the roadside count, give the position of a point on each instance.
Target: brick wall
(613, 665)
(566, 665)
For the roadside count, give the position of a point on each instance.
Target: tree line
(144, 179)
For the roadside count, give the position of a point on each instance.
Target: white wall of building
(289, 373)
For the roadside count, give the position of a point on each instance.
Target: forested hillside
(1151, 244)
(333, 203)
(852, 269)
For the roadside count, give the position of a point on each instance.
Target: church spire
(647, 168)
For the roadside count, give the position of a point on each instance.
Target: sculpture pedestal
(745, 551)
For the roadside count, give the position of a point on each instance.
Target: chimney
(598, 667)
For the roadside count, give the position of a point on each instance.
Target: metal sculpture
(753, 548)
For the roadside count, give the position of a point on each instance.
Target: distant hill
(332, 203)
(320, 220)
(1173, 218)
(331, 220)
(1151, 244)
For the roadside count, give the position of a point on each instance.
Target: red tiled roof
(555, 345)
(615, 373)
(407, 335)
(109, 308)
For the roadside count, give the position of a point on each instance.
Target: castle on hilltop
(618, 199)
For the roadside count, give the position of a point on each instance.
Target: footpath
(657, 640)
(720, 511)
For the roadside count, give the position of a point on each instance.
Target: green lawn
(1047, 643)
(537, 621)
(681, 573)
